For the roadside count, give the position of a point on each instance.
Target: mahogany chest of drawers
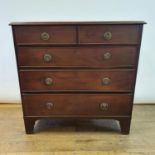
(77, 69)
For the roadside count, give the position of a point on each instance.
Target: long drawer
(99, 57)
(77, 80)
(77, 104)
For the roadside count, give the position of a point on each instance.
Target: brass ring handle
(49, 105)
(107, 56)
(48, 81)
(104, 106)
(47, 57)
(106, 81)
(107, 35)
(44, 36)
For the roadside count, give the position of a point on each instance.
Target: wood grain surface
(77, 104)
(121, 34)
(57, 34)
(77, 80)
(84, 57)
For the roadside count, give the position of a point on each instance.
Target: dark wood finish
(86, 57)
(76, 104)
(125, 125)
(121, 34)
(29, 125)
(58, 34)
(89, 80)
(77, 69)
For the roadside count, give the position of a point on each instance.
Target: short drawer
(93, 57)
(110, 34)
(77, 80)
(77, 104)
(45, 34)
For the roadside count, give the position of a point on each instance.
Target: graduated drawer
(45, 34)
(101, 57)
(77, 104)
(77, 80)
(110, 34)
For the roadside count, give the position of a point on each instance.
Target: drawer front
(100, 57)
(70, 80)
(77, 104)
(45, 34)
(110, 34)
